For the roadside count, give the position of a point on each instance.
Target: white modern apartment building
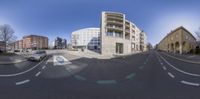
(87, 38)
(120, 36)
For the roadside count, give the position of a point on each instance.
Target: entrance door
(119, 48)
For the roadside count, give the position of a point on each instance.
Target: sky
(60, 18)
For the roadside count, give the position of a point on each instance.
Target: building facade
(179, 40)
(60, 43)
(2, 46)
(17, 45)
(87, 38)
(120, 36)
(30, 42)
(35, 42)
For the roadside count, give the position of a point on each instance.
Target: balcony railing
(128, 31)
(115, 15)
(115, 28)
(115, 34)
(114, 22)
(115, 18)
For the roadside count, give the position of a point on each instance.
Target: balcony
(127, 25)
(114, 18)
(115, 22)
(127, 31)
(115, 15)
(115, 28)
(127, 36)
(114, 34)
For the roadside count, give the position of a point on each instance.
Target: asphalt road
(150, 75)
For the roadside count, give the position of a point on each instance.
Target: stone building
(179, 40)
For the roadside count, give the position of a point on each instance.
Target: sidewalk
(24, 54)
(191, 58)
(90, 54)
(11, 59)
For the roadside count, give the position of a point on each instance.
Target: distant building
(149, 46)
(60, 43)
(2, 46)
(64, 43)
(87, 38)
(35, 42)
(18, 45)
(179, 40)
(30, 42)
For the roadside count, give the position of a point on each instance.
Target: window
(109, 34)
(176, 35)
(186, 37)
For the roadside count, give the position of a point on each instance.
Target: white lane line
(164, 68)
(38, 73)
(44, 67)
(161, 63)
(171, 75)
(179, 69)
(9, 75)
(22, 82)
(189, 83)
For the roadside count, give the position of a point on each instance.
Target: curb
(125, 55)
(14, 62)
(188, 61)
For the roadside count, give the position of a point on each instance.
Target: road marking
(38, 73)
(130, 76)
(80, 77)
(22, 82)
(9, 75)
(159, 59)
(106, 82)
(171, 75)
(189, 83)
(182, 59)
(60, 60)
(179, 69)
(164, 68)
(44, 67)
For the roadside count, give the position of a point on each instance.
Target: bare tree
(6, 34)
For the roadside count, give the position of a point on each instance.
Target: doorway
(119, 48)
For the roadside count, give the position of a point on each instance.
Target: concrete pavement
(11, 59)
(150, 75)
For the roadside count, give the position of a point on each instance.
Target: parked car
(37, 55)
(16, 50)
(1, 51)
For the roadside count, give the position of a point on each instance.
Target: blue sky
(54, 18)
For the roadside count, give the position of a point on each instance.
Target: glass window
(109, 34)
